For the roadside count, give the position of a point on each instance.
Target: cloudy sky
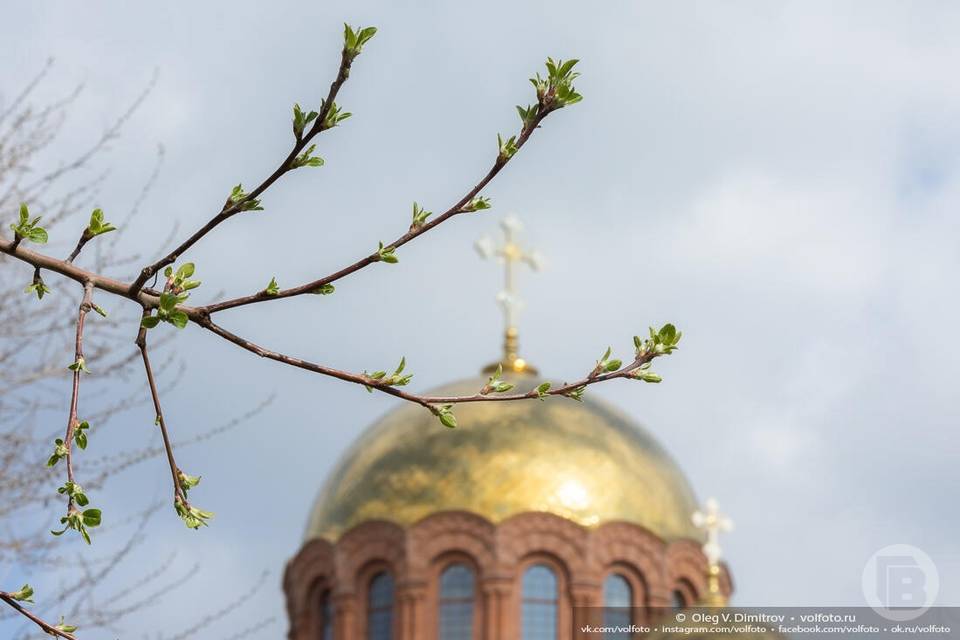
(780, 179)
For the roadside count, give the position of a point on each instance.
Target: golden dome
(583, 461)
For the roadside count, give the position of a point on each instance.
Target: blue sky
(780, 179)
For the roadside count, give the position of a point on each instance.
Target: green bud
(507, 147)
(64, 627)
(28, 229)
(576, 394)
(25, 594)
(495, 384)
(446, 416)
(305, 159)
(59, 452)
(420, 216)
(272, 288)
(477, 204)
(80, 434)
(97, 226)
(79, 365)
(386, 254)
(301, 120)
(240, 199)
(193, 517)
(542, 390)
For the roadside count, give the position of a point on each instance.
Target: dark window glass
(539, 603)
(617, 598)
(326, 617)
(678, 601)
(380, 608)
(456, 603)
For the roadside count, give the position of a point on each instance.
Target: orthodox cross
(510, 254)
(713, 523)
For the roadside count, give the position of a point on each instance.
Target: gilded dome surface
(582, 461)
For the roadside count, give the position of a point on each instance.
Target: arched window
(617, 599)
(456, 603)
(678, 600)
(539, 610)
(380, 608)
(326, 616)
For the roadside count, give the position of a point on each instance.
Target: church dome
(585, 462)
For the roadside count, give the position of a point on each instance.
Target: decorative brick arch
(498, 553)
(638, 555)
(688, 571)
(371, 541)
(538, 532)
(309, 573)
(451, 531)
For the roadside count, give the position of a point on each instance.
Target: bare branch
(231, 207)
(47, 628)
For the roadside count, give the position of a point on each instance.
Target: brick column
(498, 615)
(344, 616)
(586, 598)
(410, 609)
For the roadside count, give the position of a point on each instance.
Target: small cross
(713, 522)
(509, 254)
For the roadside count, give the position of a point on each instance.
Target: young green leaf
(576, 394)
(477, 204)
(301, 120)
(305, 159)
(80, 434)
(187, 482)
(324, 290)
(354, 39)
(386, 254)
(242, 201)
(193, 517)
(507, 147)
(25, 594)
(75, 492)
(59, 452)
(272, 288)
(38, 286)
(556, 90)
(64, 627)
(28, 229)
(97, 226)
(542, 390)
(495, 384)
(606, 364)
(445, 414)
(420, 216)
(334, 115)
(79, 365)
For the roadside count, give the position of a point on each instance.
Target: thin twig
(86, 304)
(423, 400)
(178, 492)
(45, 626)
(413, 232)
(232, 208)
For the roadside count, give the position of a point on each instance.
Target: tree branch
(643, 357)
(412, 233)
(179, 495)
(47, 628)
(144, 297)
(231, 208)
(79, 367)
